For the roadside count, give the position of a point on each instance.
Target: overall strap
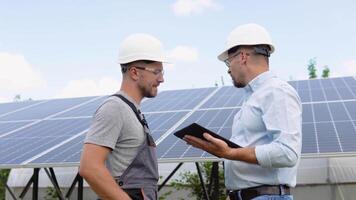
(133, 107)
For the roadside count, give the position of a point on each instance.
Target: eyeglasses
(153, 71)
(229, 59)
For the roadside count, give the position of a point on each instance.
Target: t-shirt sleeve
(106, 125)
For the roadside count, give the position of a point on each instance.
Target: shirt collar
(129, 98)
(255, 83)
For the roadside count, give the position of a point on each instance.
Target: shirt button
(121, 183)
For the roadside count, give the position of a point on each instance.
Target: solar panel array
(51, 132)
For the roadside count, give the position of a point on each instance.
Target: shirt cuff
(263, 156)
(100, 142)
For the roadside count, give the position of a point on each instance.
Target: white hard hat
(141, 46)
(248, 34)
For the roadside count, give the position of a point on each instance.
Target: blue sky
(52, 49)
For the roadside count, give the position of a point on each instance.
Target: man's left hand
(213, 145)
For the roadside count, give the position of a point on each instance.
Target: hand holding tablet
(196, 130)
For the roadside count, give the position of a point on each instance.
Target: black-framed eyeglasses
(229, 59)
(153, 71)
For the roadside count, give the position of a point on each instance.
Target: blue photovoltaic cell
(45, 109)
(219, 121)
(345, 93)
(347, 136)
(331, 94)
(294, 84)
(309, 138)
(351, 107)
(84, 110)
(321, 112)
(159, 123)
(314, 84)
(26, 143)
(327, 138)
(6, 127)
(67, 153)
(339, 82)
(303, 85)
(228, 96)
(304, 95)
(307, 113)
(176, 100)
(327, 83)
(317, 95)
(350, 81)
(10, 107)
(338, 111)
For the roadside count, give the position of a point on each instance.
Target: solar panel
(27, 143)
(52, 132)
(217, 120)
(159, 121)
(45, 109)
(6, 108)
(176, 100)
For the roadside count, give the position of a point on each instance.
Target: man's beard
(237, 84)
(146, 92)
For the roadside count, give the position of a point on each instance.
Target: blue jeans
(274, 197)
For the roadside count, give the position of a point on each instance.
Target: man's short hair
(260, 49)
(125, 67)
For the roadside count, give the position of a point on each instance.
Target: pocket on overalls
(135, 194)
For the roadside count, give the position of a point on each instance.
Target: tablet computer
(196, 130)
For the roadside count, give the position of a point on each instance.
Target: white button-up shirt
(270, 120)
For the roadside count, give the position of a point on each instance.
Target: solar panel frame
(333, 99)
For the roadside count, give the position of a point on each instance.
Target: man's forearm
(101, 181)
(246, 154)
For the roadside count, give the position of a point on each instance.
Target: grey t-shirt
(116, 126)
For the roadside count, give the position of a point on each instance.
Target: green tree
(312, 68)
(4, 173)
(326, 72)
(189, 180)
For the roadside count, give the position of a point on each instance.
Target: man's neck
(132, 91)
(256, 72)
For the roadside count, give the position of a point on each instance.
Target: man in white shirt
(268, 126)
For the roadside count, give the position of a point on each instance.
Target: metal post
(80, 188)
(52, 177)
(35, 184)
(71, 188)
(170, 175)
(202, 181)
(215, 174)
(10, 191)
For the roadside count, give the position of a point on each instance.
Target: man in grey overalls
(118, 159)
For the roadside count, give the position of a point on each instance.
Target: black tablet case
(196, 130)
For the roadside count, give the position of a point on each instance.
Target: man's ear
(133, 73)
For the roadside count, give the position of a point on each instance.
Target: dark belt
(250, 193)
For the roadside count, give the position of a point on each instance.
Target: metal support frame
(170, 176)
(34, 181)
(214, 181)
(10, 191)
(52, 177)
(205, 193)
(78, 179)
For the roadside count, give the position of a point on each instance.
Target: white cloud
(3, 100)
(350, 67)
(189, 7)
(17, 74)
(184, 54)
(87, 87)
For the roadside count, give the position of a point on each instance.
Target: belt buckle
(233, 194)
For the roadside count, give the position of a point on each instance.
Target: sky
(62, 49)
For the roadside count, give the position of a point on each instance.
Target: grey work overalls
(140, 178)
